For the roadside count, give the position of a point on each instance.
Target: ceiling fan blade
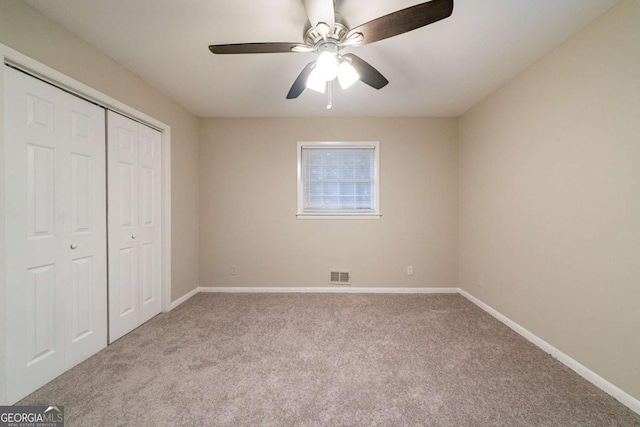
(252, 48)
(404, 20)
(301, 82)
(368, 74)
(320, 11)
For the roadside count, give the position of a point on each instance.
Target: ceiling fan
(326, 33)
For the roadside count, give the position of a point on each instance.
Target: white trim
(542, 344)
(586, 373)
(340, 289)
(19, 60)
(300, 214)
(339, 216)
(166, 219)
(184, 298)
(3, 301)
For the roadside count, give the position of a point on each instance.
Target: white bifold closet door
(134, 160)
(56, 249)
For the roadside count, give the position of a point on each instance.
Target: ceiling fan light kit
(347, 75)
(327, 32)
(316, 81)
(327, 62)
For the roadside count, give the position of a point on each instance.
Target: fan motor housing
(312, 37)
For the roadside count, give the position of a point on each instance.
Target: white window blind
(338, 179)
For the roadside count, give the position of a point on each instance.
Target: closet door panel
(149, 222)
(134, 161)
(86, 199)
(41, 285)
(35, 266)
(124, 312)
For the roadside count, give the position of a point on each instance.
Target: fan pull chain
(329, 96)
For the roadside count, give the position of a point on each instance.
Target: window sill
(340, 216)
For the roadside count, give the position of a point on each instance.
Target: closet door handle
(133, 236)
(74, 245)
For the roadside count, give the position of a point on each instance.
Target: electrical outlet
(234, 270)
(409, 270)
(481, 281)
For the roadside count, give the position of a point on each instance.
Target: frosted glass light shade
(347, 75)
(327, 65)
(316, 81)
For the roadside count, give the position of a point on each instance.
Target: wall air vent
(339, 278)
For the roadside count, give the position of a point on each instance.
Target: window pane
(330, 188)
(347, 188)
(363, 202)
(315, 188)
(363, 188)
(315, 172)
(338, 179)
(315, 202)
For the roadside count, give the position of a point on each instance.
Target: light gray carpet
(327, 359)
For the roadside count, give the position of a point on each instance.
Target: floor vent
(339, 278)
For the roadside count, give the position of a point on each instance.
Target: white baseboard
(618, 394)
(586, 373)
(184, 297)
(331, 290)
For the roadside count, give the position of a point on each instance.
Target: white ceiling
(439, 70)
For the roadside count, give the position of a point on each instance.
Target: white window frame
(300, 214)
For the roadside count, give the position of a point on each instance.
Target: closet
(71, 257)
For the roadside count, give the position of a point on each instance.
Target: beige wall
(31, 33)
(550, 198)
(248, 205)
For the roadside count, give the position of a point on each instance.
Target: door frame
(48, 74)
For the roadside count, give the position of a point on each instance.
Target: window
(338, 179)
